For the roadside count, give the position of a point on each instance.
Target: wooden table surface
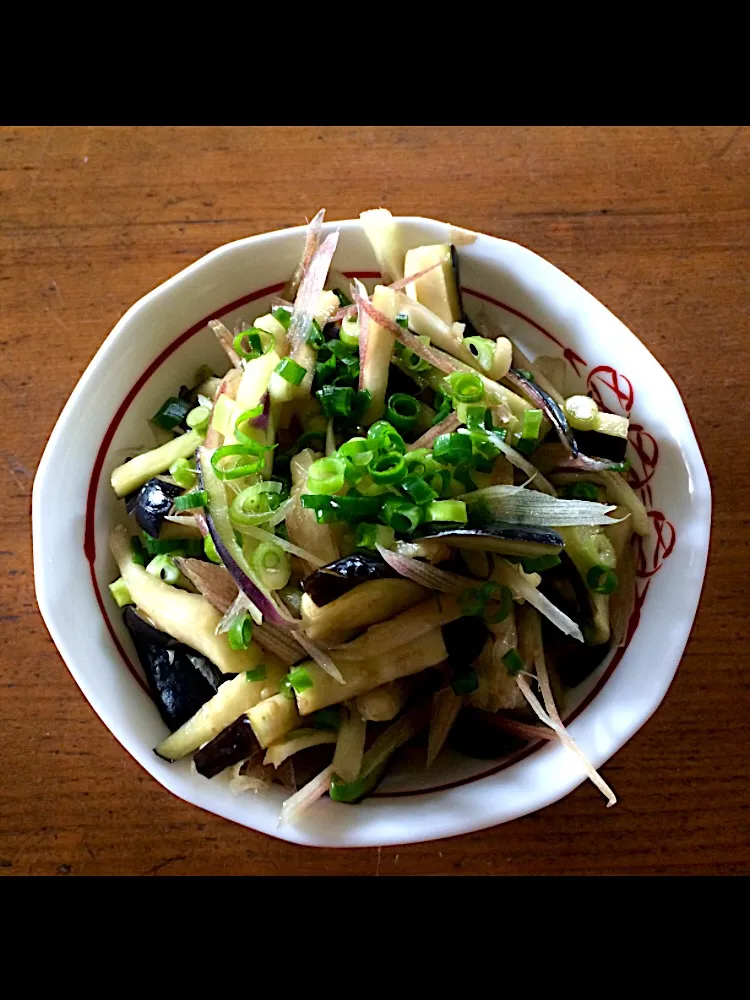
(653, 221)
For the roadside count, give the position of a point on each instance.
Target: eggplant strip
(364, 605)
(385, 702)
(427, 651)
(437, 610)
(189, 618)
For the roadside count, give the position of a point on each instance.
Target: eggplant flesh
(497, 536)
(151, 504)
(235, 743)
(474, 735)
(599, 445)
(329, 582)
(180, 679)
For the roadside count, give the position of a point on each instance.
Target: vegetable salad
(381, 524)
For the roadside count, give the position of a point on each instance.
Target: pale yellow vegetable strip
(279, 752)
(445, 707)
(273, 718)
(303, 529)
(230, 701)
(189, 618)
(385, 702)
(378, 353)
(424, 652)
(379, 639)
(365, 604)
(350, 745)
(382, 231)
(138, 470)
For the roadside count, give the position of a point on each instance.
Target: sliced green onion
(474, 417)
(418, 461)
(439, 481)
(525, 373)
(580, 491)
(285, 688)
(198, 498)
(312, 436)
(252, 465)
(341, 350)
(290, 371)
(326, 718)
(282, 315)
(336, 400)
(401, 515)
(471, 602)
(258, 673)
(240, 633)
(538, 564)
(418, 490)
(253, 343)
(251, 506)
(601, 580)
(138, 552)
(120, 593)
(465, 387)
(300, 679)
(326, 475)
(198, 418)
(210, 550)
(532, 422)
(165, 568)
(443, 406)
(315, 336)
(349, 332)
(385, 437)
(358, 451)
(513, 662)
(343, 298)
(179, 546)
(172, 412)
(482, 443)
(465, 681)
(446, 510)
(403, 321)
(242, 435)
(483, 350)
(581, 412)
(402, 410)
(369, 536)
(388, 468)
(495, 593)
(452, 449)
(329, 509)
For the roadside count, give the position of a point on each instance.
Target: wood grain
(653, 221)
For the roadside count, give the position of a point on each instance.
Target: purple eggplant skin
(464, 640)
(151, 504)
(599, 445)
(180, 679)
(475, 735)
(338, 578)
(501, 531)
(538, 397)
(233, 744)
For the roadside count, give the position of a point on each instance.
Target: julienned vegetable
(350, 527)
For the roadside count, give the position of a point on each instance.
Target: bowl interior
(161, 343)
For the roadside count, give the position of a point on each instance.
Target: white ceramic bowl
(161, 341)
